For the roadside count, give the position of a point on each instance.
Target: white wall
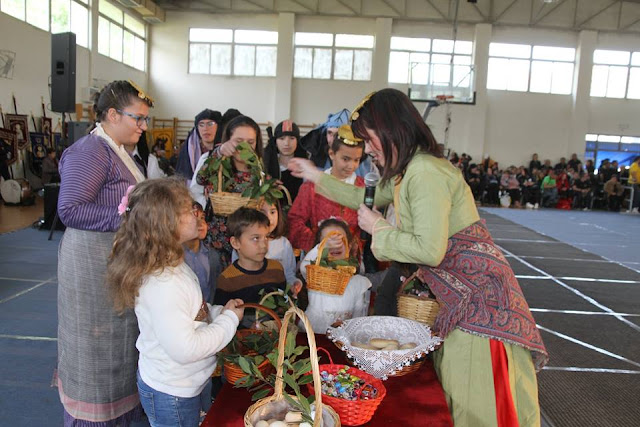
(183, 95)
(33, 68)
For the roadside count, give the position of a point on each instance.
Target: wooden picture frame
(8, 145)
(46, 127)
(163, 136)
(19, 123)
(38, 147)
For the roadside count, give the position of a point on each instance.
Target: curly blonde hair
(148, 239)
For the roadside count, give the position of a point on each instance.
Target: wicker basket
(329, 280)
(225, 203)
(276, 404)
(420, 309)
(233, 372)
(270, 325)
(352, 412)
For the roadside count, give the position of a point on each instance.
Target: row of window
(417, 61)
(120, 36)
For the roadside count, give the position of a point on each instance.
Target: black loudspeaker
(63, 73)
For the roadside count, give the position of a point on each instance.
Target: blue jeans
(165, 410)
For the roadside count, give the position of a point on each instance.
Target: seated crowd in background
(565, 185)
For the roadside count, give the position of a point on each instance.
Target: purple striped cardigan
(93, 181)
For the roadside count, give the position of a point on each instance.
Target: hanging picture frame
(19, 123)
(8, 146)
(164, 137)
(47, 129)
(38, 147)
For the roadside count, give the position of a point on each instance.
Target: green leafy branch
(261, 185)
(326, 261)
(294, 374)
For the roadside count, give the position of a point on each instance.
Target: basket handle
(220, 177)
(286, 193)
(264, 309)
(313, 354)
(324, 242)
(278, 292)
(408, 279)
(327, 353)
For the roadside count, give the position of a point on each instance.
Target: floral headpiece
(141, 93)
(124, 203)
(356, 111)
(346, 134)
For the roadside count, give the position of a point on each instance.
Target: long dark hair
(241, 121)
(270, 160)
(118, 95)
(397, 122)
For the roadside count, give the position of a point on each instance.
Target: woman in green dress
(492, 347)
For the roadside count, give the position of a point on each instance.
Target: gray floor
(572, 267)
(586, 306)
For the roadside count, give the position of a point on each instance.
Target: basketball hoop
(444, 98)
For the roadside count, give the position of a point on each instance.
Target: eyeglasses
(139, 119)
(203, 125)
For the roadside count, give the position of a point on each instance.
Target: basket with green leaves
(260, 188)
(250, 346)
(292, 373)
(416, 302)
(328, 275)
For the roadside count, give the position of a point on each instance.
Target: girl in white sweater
(180, 333)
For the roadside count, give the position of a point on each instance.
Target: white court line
(28, 338)
(564, 259)
(575, 291)
(499, 239)
(16, 279)
(577, 279)
(590, 313)
(25, 291)
(589, 346)
(598, 370)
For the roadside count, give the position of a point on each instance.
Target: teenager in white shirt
(180, 333)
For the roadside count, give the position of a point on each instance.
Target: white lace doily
(380, 363)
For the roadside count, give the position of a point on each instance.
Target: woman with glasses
(200, 140)
(97, 356)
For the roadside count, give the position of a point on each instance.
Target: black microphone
(370, 181)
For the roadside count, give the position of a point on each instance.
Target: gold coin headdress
(141, 93)
(346, 134)
(356, 111)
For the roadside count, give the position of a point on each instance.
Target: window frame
(430, 64)
(24, 19)
(333, 49)
(124, 29)
(531, 60)
(629, 66)
(232, 58)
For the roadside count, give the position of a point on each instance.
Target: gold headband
(356, 114)
(141, 94)
(346, 134)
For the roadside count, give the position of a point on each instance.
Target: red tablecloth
(416, 399)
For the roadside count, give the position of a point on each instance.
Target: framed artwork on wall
(19, 123)
(164, 137)
(8, 146)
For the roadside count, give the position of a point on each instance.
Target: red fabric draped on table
(416, 399)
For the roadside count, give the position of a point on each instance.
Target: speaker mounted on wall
(63, 72)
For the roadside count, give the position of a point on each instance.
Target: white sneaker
(529, 205)
(586, 209)
(536, 206)
(634, 211)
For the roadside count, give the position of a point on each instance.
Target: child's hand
(335, 245)
(233, 305)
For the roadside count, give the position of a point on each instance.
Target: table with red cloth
(416, 399)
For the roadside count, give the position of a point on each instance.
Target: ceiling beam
(505, 10)
(597, 13)
(256, 4)
(438, 10)
(560, 3)
(390, 6)
(355, 12)
(484, 17)
(301, 5)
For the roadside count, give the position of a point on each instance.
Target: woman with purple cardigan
(97, 356)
